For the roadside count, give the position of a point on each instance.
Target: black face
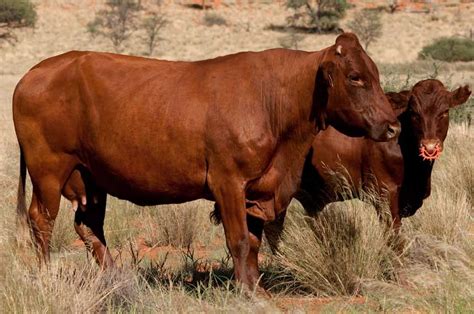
(428, 115)
(357, 105)
(424, 112)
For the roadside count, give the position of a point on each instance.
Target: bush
(320, 17)
(332, 254)
(152, 26)
(211, 19)
(449, 49)
(367, 25)
(116, 22)
(13, 14)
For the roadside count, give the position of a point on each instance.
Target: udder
(75, 191)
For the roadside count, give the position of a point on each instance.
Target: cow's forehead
(431, 96)
(357, 60)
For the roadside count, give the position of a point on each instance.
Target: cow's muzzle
(430, 149)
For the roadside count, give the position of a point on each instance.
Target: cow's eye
(444, 114)
(355, 79)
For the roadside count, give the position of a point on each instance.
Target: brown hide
(397, 169)
(235, 129)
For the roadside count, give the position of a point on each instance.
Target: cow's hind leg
(89, 218)
(255, 227)
(43, 212)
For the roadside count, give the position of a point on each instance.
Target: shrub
(322, 16)
(367, 25)
(331, 254)
(116, 22)
(14, 14)
(211, 19)
(449, 49)
(152, 26)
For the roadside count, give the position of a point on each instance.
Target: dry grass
(344, 250)
(342, 253)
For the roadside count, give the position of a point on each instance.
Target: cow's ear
(324, 81)
(325, 75)
(399, 101)
(347, 40)
(459, 96)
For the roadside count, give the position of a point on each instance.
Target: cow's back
(107, 110)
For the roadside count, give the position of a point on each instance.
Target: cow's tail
(22, 215)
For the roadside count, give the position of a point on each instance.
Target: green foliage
(116, 23)
(17, 13)
(14, 14)
(211, 19)
(367, 25)
(322, 16)
(449, 49)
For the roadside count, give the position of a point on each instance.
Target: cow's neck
(288, 94)
(293, 120)
(417, 172)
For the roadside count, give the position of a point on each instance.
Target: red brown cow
(402, 168)
(235, 129)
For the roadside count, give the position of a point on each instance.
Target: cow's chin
(407, 212)
(349, 130)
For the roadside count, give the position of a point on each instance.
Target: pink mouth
(430, 156)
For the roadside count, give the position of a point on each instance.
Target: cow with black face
(425, 127)
(399, 169)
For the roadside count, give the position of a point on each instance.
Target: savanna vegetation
(15, 14)
(173, 259)
(449, 49)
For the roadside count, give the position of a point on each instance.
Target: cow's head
(427, 114)
(348, 85)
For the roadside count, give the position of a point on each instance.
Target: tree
(116, 23)
(15, 14)
(367, 25)
(319, 16)
(152, 26)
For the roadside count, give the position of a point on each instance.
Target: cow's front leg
(397, 239)
(230, 199)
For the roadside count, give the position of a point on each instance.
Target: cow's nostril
(393, 131)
